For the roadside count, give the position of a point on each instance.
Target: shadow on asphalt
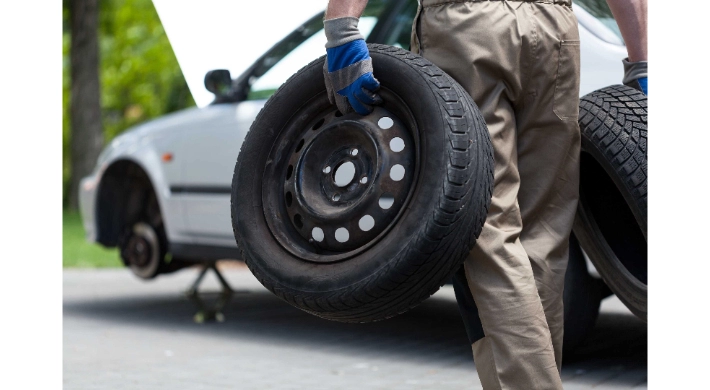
(432, 331)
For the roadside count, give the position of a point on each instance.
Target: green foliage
(140, 76)
(77, 252)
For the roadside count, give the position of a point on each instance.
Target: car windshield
(600, 10)
(304, 47)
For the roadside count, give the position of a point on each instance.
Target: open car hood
(227, 34)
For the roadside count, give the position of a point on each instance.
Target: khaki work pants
(520, 62)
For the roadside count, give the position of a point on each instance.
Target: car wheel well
(125, 196)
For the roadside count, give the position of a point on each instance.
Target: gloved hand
(636, 75)
(348, 68)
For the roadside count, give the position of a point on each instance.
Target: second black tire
(611, 221)
(436, 227)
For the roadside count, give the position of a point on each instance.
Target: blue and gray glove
(636, 75)
(348, 68)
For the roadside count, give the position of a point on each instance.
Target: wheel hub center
(332, 172)
(139, 251)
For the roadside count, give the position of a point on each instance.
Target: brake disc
(142, 251)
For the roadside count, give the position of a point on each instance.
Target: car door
(210, 148)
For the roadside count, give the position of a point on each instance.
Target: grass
(79, 253)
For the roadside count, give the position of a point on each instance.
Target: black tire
(582, 296)
(611, 221)
(434, 230)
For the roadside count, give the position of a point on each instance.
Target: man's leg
(548, 155)
(479, 45)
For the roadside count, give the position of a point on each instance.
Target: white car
(162, 189)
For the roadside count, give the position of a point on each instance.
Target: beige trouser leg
(520, 63)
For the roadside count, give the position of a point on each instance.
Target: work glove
(348, 68)
(636, 75)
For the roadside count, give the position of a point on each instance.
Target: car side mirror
(218, 81)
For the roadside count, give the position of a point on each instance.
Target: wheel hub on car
(139, 251)
(342, 181)
(142, 251)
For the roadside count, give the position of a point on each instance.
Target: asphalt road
(122, 333)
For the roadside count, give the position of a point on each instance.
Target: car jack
(206, 312)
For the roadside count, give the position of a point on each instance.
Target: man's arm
(343, 8)
(632, 18)
(348, 66)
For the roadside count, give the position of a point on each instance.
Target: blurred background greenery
(139, 75)
(139, 79)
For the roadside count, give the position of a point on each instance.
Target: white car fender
(149, 147)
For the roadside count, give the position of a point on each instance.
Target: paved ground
(121, 333)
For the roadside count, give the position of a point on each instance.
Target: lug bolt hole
(397, 144)
(354, 152)
(342, 235)
(318, 124)
(300, 145)
(336, 197)
(397, 172)
(326, 170)
(317, 234)
(363, 180)
(386, 201)
(366, 223)
(298, 220)
(385, 122)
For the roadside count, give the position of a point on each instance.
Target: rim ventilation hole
(336, 197)
(289, 172)
(354, 152)
(300, 145)
(385, 122)
(366, 223)
(318, 124)
(397, 172)
(363, 180)
(386, 201)
(338, 114)
(397, 144)
(298, 220)
(342, 235)
(289, 199)
(344, 174)
(317, 234)
(326, 170)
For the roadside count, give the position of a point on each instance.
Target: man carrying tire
(519, 61)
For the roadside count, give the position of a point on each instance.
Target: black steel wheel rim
(335, 184)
